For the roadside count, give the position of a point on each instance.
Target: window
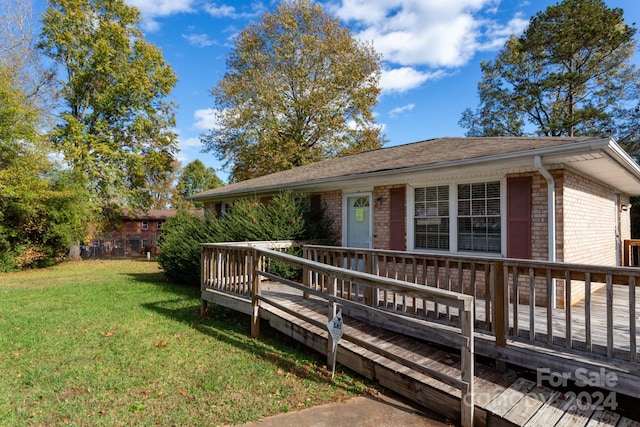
(225, 209)
(145, 243)
(159, 225)
(145, 225)
(431, 217)
(479, 220)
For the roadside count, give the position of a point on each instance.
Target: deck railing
(541, 303)
(239, 271)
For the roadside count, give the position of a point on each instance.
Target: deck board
(550, 412)
(530, 403)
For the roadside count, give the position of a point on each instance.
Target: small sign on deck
(336, 327)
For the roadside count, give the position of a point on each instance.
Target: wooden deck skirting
(238, 270)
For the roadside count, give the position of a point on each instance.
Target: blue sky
(431, 54)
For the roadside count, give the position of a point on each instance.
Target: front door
(358, 221)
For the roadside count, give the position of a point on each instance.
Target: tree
(299, 88)
(568, 74)
(19, 56)
(164, 193)
(115, 128)
(196, 177)
(41, 211)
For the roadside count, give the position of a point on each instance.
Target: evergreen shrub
(283, 217)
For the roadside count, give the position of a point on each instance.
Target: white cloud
(432, 33)
(162, 7)
(399, 110)
(152, 9)
(190, 142)
(222, 11)
(182, 158)
(497, 35)
(226, 11)
(403, 79)
(199, 40)
(206, 119)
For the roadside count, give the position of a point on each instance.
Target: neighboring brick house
(136, 235)
(484, 196)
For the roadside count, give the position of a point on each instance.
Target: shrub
(283, 218)
(179, 245)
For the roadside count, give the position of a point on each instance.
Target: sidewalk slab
(361, 411)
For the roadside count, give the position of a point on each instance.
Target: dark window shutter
(519, 217)
(397, 233)
(218, 208)
(315, 202)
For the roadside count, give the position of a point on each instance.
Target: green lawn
(113, 343)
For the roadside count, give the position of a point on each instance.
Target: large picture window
(431, 217)
(479, 220)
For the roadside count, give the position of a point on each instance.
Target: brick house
(505, 197)
(136, 235)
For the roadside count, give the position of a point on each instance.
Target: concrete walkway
(362, 411)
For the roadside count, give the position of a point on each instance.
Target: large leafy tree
(115, 127)
(196, 177)
(41, 211)
(299, 88)
(568, 74)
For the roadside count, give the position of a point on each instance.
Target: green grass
(113, 343)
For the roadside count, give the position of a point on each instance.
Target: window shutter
(315, 201)
(519, 195)
(397, 219)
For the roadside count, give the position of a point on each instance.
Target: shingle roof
(151, 214)
(423, 153)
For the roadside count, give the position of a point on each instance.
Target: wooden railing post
(625, 253)
(256, 261)
(467, 363)
(333, 310)
(368, 268)
(204, 273)
(306, 273)
(500, 308)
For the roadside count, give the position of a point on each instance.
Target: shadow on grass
(161, 280)
(232, 327)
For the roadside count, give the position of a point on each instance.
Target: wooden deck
(501, 399)
(431, 327)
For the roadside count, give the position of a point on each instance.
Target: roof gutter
(551, 207)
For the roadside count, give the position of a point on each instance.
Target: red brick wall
(332, 202)
(381, 216)
(540, 215)
(135, 226)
